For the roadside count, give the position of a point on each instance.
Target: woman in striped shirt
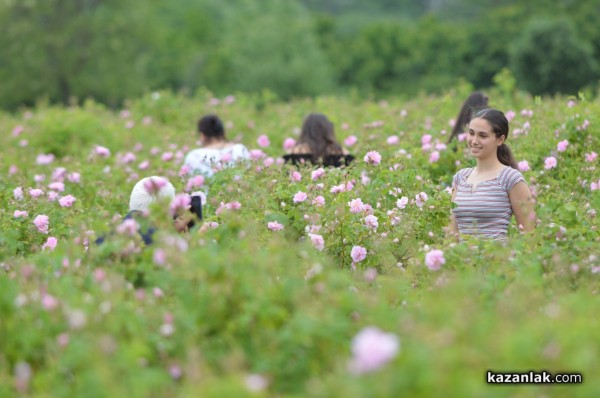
(487, 195)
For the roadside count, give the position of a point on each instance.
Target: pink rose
(372, 157)
(371, 349)
(300, 197)
(18, 193)
(20, 213)
(57, 186)
(274, 226)
(356, 206)
(317, 241)
(153, 185)
(393, 140)
(351, 140)
(50, 243)
(371, 222)
(562, 146)
(41, 222)
(35, 193)
(523, 165)
(256, 154)
(179, 202)
(590, 157)
(421, 199)
(318, 173)
(358, 254)
(402, 202)
(289, 143)
(435, 259)
(263, 141)
(74, 177)
(434, 157)
(319, 201)
(101, 151)
(67, 201)
(550, 162)
(43, 159)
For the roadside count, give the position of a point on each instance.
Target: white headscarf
(141, 198)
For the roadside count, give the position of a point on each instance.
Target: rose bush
(270, 292)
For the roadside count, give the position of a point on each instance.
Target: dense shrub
(548, 57)
(234, 308)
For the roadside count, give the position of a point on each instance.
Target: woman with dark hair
(476, 101)
(486, 196)
(317, 143)
(216, 152)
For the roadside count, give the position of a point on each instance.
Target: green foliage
(249, 55)
(203, 313)
(548, 57)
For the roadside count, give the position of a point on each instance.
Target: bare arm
(452, 229)
(522, 204)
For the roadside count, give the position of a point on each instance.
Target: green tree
(549, 58)
(62, 49)
(271, 46)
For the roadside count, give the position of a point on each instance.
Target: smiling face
(482, 140)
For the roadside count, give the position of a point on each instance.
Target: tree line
(68, 50)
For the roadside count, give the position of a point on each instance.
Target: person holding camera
(152, 189)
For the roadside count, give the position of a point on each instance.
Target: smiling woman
(487, 195)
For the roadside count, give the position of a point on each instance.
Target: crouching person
(155, 189)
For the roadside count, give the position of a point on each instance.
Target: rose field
(300, 281)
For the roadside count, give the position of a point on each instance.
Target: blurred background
(66, 51)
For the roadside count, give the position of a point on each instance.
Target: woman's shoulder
(463, 172)
(511, 177)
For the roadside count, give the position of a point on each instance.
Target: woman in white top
(216, 152)
(487, 195)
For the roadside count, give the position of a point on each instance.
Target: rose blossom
(523, 165)
(356, 206)
(18, 193)
(41, 222)
(35, 193)
(358, 254)
(300, 197)
(371, 222)
(402, 202)
(562, 146)
(101, 151)
(67, 201)
(317, 241)
(421, 199)
(318, 173)
(274, 226)
(289, 143)
(434, 259)
(351, 140)
(50, 243)
(372, 157)
(319, 201)
(263, 141)
(550, 162)
(371, 349)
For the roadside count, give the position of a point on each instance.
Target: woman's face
(481, 139)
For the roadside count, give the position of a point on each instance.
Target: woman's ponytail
(506, 157)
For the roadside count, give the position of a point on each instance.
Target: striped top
(484, 211)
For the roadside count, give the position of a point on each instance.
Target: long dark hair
(318, 134)
(499, 124)
(476, 101)
(211, 126)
